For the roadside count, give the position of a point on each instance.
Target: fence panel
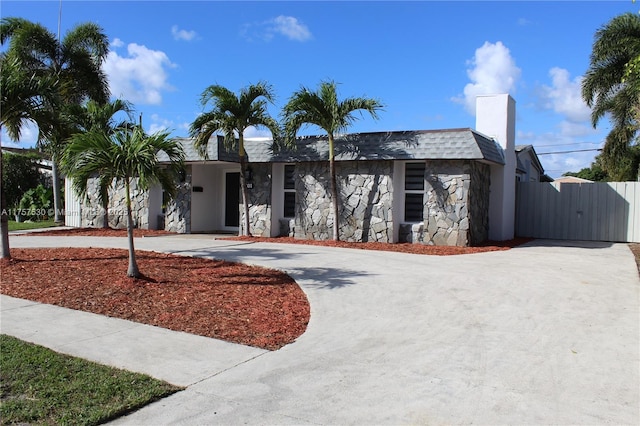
(72, 205)
(602, 211)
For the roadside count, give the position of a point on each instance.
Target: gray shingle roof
(451, 144)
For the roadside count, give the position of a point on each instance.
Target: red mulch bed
(98, 232)
(397, 247)
(230, 301)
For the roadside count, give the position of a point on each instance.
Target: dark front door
(232, 200)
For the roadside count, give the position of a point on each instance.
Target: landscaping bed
(230, 301)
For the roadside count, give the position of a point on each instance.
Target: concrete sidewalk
(547, 333)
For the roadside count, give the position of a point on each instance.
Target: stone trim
(177, 215)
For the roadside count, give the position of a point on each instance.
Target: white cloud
(159, 124)
(564, 96)
(492, 71)
(523, 22)
(286, 26)
(140, 76)
(289, 27)
(257, 133)
(117, 43)
(184, 35)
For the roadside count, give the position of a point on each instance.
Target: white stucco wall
(496, 118)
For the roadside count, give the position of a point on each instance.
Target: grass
(21, 226)
(40, 386)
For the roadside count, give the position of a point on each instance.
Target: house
(529, 168)
(572, 179)
(442, 187)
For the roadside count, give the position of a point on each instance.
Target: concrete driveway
(547, 333)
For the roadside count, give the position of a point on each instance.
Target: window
(289, 191)
(414, 192)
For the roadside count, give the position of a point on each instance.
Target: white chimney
(496, 118)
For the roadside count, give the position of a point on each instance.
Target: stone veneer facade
(92, 213)
(456, 205)
(177, 215)
(259, 201)
(365, 205)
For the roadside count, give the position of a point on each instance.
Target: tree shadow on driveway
(312, 276)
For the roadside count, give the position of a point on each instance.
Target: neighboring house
(44, 162)
(443, 187)
(572, 179)
(529, 168)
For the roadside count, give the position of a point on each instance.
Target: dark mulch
(230, 301)
(397, 247)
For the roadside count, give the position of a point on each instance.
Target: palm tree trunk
(334, 192)
(58, 217)
(5, 253)
(133, 270)
(105, 217)
(243, 186)
(245, 197)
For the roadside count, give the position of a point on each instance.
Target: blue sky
(426, 61)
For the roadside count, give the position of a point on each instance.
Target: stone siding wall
(177, 216)
(365, 205)
(456, 205)
(446, 214)
(92, 213)
(479, 203)
(259, 202)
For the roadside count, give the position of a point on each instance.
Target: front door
(232, 199)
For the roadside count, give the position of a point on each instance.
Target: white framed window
(414, 192)
(289, 201)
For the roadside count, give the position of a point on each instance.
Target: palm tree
(322, 108)
(22, 99)
(612, 86)
(127, 153)
(73, 62)
(99, 118)
(232, 115)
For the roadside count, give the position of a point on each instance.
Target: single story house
(528, 166)
(443, 187)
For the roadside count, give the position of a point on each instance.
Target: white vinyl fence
(71, 205)
(579, 211)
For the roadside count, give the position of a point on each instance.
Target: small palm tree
(74, 63)
(612, 86)
(99, 118)
(22, 99)
(322, 108)
(232, 115)
(128, 153)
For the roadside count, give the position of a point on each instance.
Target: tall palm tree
(232, 115)
(127, 153)
(22, 99)
(99, 118)
(612, 86)
(323, 109)
(73, 62)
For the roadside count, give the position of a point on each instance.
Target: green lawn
(20, 226)
(38, 385)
